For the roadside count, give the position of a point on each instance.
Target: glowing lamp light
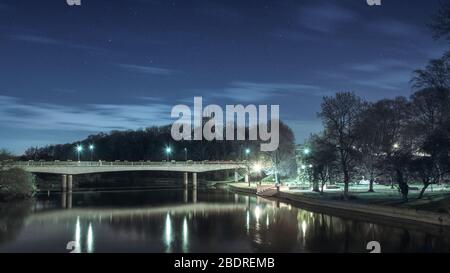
(257, 167)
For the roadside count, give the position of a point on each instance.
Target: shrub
(16, 184)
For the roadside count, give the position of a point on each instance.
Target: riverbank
(375, 206)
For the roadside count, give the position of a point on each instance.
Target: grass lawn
(436, 198)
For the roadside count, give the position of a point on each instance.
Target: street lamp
(168, 151)
(257, 167)
(247, 152)
(79, 149)
(306, 151)
(91, 148)
(185, 154)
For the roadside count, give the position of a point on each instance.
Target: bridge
(67, 169)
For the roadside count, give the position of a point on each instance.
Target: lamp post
(247, 152)
(79, 149)
(91, 148)
(185, 154)
(168, 151)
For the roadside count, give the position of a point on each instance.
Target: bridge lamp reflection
(304, 228)
(257, 213)
(185, 235)
(78, 235)
(90, 239)
(247, 221)
(168, 233)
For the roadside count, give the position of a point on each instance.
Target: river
(203, 220)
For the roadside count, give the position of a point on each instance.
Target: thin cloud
(45, 40)
(325, 18)
(395, 28)
(15, 113)
(151, 70)
(379, 66)
(251, 92)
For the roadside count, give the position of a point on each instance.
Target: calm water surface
(208, 220)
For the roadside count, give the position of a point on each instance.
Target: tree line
(397, 140)
(152, 143)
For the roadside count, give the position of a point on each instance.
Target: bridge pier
(64, 183)
(194, 180)
(63, 200)
(69, 200)
(186, 195)
(69, 183)
(186, 180)
(66, 200)
(194, 195)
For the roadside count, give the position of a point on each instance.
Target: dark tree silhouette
(440, 24)
(340, 116)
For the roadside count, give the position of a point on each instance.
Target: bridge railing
(119, 163)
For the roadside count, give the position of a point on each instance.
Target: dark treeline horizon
(150, 144)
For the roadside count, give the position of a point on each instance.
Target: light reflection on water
(185, 235)
(191, 221)
(168, 234)
(90, 239)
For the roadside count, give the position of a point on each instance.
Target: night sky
(67, 72)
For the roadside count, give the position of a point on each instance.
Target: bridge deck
(74, 168)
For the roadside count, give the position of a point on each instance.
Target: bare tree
(340, 116)
(431, 125)
(435, 75)
(441, 22)
(369, 142)
(323, 159)
(283, 159)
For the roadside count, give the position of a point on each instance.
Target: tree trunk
(316, 185)
(424, 188)
(371, 184)
(404, 189)
(346, 181)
